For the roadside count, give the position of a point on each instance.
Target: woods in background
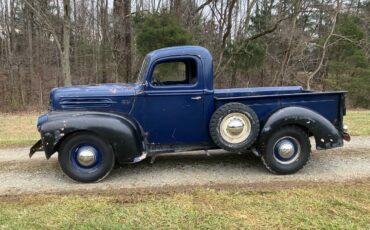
(319, 44)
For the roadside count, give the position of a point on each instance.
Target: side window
(181, 72)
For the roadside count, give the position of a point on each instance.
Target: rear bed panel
(327, 104)
(240, 92)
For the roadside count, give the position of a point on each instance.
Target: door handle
(196, 98)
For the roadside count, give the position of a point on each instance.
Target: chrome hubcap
(86, 156)
(235, 128)
(287, 150)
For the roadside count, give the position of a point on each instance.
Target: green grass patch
(327, 207)
(358, 122)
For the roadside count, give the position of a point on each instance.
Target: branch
(46, 22)
(344, 38)
(263, 33)
(324, 47)
(229, 23)
(268, 31)
(202, 6)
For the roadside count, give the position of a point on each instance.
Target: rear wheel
(286, 151)
(84, 157)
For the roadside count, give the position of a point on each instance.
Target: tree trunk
(175, 8)
(122, 40)
(127, 37)
(66, 66)
(9, 45)
(104, 42)
(96, 47)
(118, 42)
(59, 29)
(30, 50)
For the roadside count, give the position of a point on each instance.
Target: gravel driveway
(21, 175)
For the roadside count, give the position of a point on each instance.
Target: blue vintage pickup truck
(173, 107)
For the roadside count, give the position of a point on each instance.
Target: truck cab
(173, 107)
(176, 90)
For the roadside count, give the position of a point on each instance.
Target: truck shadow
(191, 161)
(199, 157)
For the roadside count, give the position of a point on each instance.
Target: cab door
(172, 104)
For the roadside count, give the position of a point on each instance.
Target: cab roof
(199, 51)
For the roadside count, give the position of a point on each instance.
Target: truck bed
(266, 100)
(242, 92)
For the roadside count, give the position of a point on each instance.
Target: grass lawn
(19, 130)
(310, 207)
(358, 122)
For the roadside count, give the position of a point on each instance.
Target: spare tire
(234, 127)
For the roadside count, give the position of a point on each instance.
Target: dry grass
(335, 206)
(19, 130)
(358, 122)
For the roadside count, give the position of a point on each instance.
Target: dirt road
(21, 175)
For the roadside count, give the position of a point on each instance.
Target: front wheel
(84, 157)
(286, 151)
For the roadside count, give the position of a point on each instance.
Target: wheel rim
(287, 150)
(86, 157)
(235, 128)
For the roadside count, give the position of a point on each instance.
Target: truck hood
(94, 97)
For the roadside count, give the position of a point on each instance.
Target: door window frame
(198, 69)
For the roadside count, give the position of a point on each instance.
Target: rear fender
(120, 131)
(325, 133)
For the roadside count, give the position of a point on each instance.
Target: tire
(234, 127)
(84, 157)
(286, 151)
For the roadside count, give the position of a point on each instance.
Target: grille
(78, 103)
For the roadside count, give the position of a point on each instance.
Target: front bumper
(36, 147)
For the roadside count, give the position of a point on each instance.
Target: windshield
(143, 69)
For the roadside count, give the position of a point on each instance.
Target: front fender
(121, 131)
(325, 133)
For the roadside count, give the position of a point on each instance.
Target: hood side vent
(83, 103)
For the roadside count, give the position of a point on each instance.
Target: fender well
(325, 133)
(122, 132)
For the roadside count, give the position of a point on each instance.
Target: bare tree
(66, 66)
(49, 43)
(122, 39)
(64, 50)
(310, 76)
(104, 25)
